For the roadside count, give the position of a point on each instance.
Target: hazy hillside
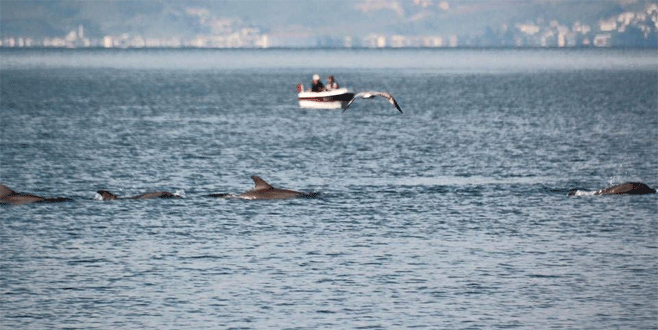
(310, 18)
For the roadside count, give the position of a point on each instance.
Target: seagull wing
(369, 95)
(390, 99)
(361, 95)
(349, 103)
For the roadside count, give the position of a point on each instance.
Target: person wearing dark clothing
(317, 85)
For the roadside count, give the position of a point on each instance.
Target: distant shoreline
(334, 48)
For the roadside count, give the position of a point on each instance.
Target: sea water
(454, 215)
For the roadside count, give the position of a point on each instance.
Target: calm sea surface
(451, 216)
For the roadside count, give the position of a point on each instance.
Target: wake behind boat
(333, 99)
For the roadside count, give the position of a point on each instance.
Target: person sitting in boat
(317, 85)
(332, 84)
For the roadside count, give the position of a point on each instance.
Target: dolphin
(8, 196)
(108, 196)
(626, 188)
(263, 190)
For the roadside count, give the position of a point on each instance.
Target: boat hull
(336, 99)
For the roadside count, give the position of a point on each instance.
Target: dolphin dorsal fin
(5, 191)
(260, 183)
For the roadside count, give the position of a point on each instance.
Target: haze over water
(451, 216)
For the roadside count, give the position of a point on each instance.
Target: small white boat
(334, 99)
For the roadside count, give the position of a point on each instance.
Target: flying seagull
(369, 95)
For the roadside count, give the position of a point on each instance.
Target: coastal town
(627, 29)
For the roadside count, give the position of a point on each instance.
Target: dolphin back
(274, 193)
(56, 200)
(159, 194)
(263, 190)
(628, 188)
(8, 196)
(106, 195)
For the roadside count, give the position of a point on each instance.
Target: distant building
(602, 40)
(529, 29)
(107, 42)
(381, 41)
(348, 42)
(581, 28)
(374, 41)
(398, 41)
(608, 25)
(626, 18)
(453, 41)
(433, 41)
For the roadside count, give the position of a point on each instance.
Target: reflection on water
(453, 215)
